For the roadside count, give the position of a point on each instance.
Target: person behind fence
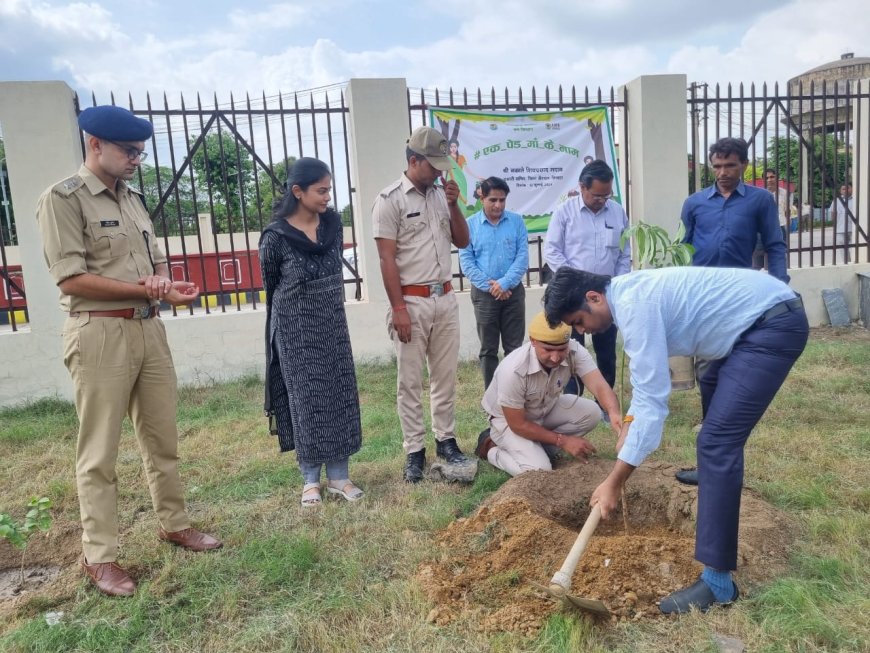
(415, 222)
(495, 261)
(727, 224)
(100, 248)
(530, 418)
(585, 233)
(841, 207)
(311, 390)
(751, 325)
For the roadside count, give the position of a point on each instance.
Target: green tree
(269, 189)
(222, 166)
(784, 154)
(178, 210)
(706, 177)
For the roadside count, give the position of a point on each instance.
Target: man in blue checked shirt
(585, 233)
(751, 325)
(495, 261)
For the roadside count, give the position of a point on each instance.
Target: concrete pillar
(378, 129)
(657, 170)
(41, 136)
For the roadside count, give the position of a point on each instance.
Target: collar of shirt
(481, 218)
(533, 365)
(740, 189)
(408, 186)
(96, 185)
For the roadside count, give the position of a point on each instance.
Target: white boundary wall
(38, 118)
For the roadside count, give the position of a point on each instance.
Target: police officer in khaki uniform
(415, 222)
(100, 248)
(528, 414)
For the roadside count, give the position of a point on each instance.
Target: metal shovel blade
(587, 605)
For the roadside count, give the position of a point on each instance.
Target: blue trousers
(735, 392)
(605, 357)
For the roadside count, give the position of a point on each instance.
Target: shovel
(560, 584)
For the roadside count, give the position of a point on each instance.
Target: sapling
(38, 517)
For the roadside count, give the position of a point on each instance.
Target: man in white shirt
(842, 212)
(584, 233)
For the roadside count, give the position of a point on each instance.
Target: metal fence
(810, 136)
(214, 173)
(421, 100)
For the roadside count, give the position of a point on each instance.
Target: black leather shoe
(448, 451)
(484, 444)
(698, 596)
(414, 466)
(687, 476)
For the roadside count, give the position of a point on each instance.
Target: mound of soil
(522, 534)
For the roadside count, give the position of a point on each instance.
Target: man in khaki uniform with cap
(100, 247)
(415, 222)
(528, 414)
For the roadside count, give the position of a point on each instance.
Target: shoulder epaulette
(68, 186)
(389, 189)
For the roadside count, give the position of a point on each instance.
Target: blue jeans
(735, 392)
(605, 357)
(336, 470)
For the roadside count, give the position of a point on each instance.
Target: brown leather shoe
(190, 538)
(109, 578)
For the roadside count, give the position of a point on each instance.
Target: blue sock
(720, 583)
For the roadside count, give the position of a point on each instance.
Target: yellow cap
(541, 331)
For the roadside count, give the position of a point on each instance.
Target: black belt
(796, 304)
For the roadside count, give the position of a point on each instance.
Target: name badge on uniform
(413, 215)
(110, 223)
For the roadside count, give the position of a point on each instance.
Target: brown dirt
(524, 531)
(51, 572)
(852, 333)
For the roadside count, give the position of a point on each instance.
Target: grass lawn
(342, 579)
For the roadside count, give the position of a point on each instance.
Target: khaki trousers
(571, 416)
(434, 341)
(122, 367)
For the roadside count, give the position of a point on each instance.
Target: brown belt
(428, 290)
(141, 313)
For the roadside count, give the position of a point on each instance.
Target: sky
(188, 46)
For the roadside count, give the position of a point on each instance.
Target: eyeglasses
(601, 198)
(132, 153)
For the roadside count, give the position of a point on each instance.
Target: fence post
(658, 170)
(42, 143)
(377, 129)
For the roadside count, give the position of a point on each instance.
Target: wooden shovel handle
(562, 578)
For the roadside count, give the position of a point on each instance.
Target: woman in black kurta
(311, 391)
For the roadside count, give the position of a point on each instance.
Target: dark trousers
(735, 392)
(605, 356)
(496, 318)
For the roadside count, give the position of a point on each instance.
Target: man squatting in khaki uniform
(529, 415)
(414, 225)
(100, 248)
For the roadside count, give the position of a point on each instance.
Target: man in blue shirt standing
(584, 233)
(724, 221)
(752, 326)
(495, 261)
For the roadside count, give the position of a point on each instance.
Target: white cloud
(291, 45)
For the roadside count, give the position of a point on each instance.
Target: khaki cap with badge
(431, 144)
(541, 331)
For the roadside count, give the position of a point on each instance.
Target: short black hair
(769, 170)
(493, 183)
(411, 153)
(567, 290)
(597, 170)
(725, 147)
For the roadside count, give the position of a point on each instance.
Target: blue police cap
(114, 124)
